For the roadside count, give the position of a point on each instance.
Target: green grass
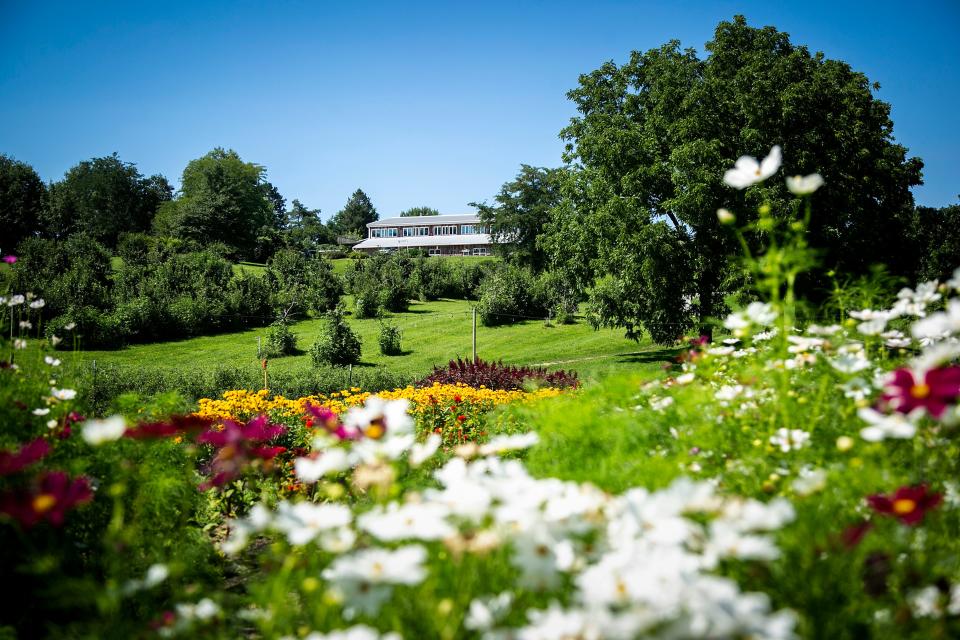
(340, 264)
(433, 333)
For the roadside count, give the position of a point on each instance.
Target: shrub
(337, 344)
(498, 376)
(557, 295)
(280, 340)
(430, 278)
(507, 295)
(466, 277)
(389, 339)
(366, 304)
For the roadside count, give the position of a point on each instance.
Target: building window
(468, 229)
(434, 251)
(415, 231)
(445, 230)
(384, 233)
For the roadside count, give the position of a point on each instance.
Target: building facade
(455, 235)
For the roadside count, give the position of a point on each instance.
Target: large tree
(355, 215)
(419, 211)
(304, 230)
(654, 137)
(223, 199)
(522, 209)
(104, 197)
(21, 202)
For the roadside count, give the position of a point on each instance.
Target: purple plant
(496, 375)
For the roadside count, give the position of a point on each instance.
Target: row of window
(440, 230)
(476, 251)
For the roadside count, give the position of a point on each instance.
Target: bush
(280, 341)
(507, 295)
(559, 297)
(496, 375)
(389, 339)
(431, 278)
(366, 304)
(337, 344)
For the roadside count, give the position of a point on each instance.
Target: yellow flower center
(920, 391)
(904, 506)
(44, 502)
(375, 431)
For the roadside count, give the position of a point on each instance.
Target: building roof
(419, 242)
(413, 221)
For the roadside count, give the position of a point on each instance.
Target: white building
(455, 235)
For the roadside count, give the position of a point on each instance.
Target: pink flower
(173, 426)
(935, 391)
(12, 462)
(239, 445)
(909, 505)
(51, 497)
(11, 259)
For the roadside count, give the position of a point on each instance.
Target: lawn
(433, 333)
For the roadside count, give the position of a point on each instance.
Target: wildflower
(33, 451)
(935, 390)
(26, 324)
(19, 343)
(53, 362)
(747, 171)
(63, 394)
(304, 521)
(845, 443)
(420, 453)
(16, 300)
(851, 358)
(377, 415)
(239, 444)
(50, 498)
(809, 481)
(756, 313)
(10, 259)
(366, 577)
(331, 460)
(804, 185)
(41, 411)
(96, 432)
(37, 304)
(51, 424)
(724, 216)
(70, 326)
(175, 425)
(410, 521)
(484, 613)
(940, 324)
(54, 340)
(908, 504)
(884, 426)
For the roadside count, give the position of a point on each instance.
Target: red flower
(12, 462)
(908, 504)
(239, 444)
(175, 425)
(51, 497)
(854, 534)
(938, 389)
(329, 421)
(457, 399)
(461, 418)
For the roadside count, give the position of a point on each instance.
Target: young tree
(222, 199)
(355, 215)
(419, 211)
(523, 208)
(654, 137)
(104, 197)
(21, 202)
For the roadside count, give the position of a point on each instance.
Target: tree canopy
(304, 230)
(523, 208)
(355, 215)
(650, 146)
(103, 197)
(419, 211)
(224, 199)
(22, 194)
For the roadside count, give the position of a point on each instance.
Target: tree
(104, 197)
(355, 215)
(651, 144)
(419, 211)
(937, 231)
(303, 228)
(21, 201)
(223, 199)
(523, 208)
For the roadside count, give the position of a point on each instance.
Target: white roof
(424, 241)
(410, 221)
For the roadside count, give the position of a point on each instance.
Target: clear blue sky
(417, 103)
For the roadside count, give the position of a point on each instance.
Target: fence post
(258, 347)
(474, 335)
(350, 375)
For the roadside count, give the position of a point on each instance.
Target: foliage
(222, 199)
(654, 137)
(419, 211)
(496, 375)
(522, 211)
(304, 231)
(22, 194)
(352, 220)
(303, 284)
(337, 344)
(102, 198)
(366, 303)
(507, 295)
(389, 339)
(388, 277)
(281, 341)
(938, 233)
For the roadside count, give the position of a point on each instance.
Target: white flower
(926, 603)
(851, 358)
(809, 481)
(26, 324)
(804, 185)
(484, 613)
(502, 444)
(872, 327)
(789, 439)
(156, 574)
(332, 460)
(954, 282)
(19, 343)
(882, 426)
(856, 389)
(381, 416)
(358, 632)
(420, 453)
(203, 610)
(725, 216)
(51, 424)
(37, 304)
(54, 340)
(658, 403)
(756, 313)
(365, 577)
(70, 326)
(685, 378)
(15, 300)
(96, 432)
(940, 324)
(53, 362)
(41, 412)
(303, 521)
(747, 171)
(63, 394)
(417, 521)
(818, 330)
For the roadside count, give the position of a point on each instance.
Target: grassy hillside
(433, 333)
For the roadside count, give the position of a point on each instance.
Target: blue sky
(417, 103)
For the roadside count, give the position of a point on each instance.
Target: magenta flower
(11, 259)
(238, 445)
(323, 417)
(936, 390)
(175, 425)
(909, 505)
(51, 497)
(12, 462)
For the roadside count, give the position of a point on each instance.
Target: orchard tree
(651, 145)
(355, 215)
(223, 199)
(21, 202)
(102, 198)
(419, 211)
(523, 207)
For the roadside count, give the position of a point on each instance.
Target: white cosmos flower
(15, 300)
(420, 453)
(63, 394)
(96, 432)
(883, 426)
(790, 439)
(380, 566)
(53, 362)
(486, 612)
(332, 460)
(26, 324)
(747, 171)
(358, 632)
(70, 326)
(425, 521)
(941, 324)
(809, 481)
(954, 282)
(804, 185)
(303, 521)
(503, 443)
(41, 412)
(850, 359)
(203, 610)
(51, 424)
(19, 343)
(37, 304)
(390, 415)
